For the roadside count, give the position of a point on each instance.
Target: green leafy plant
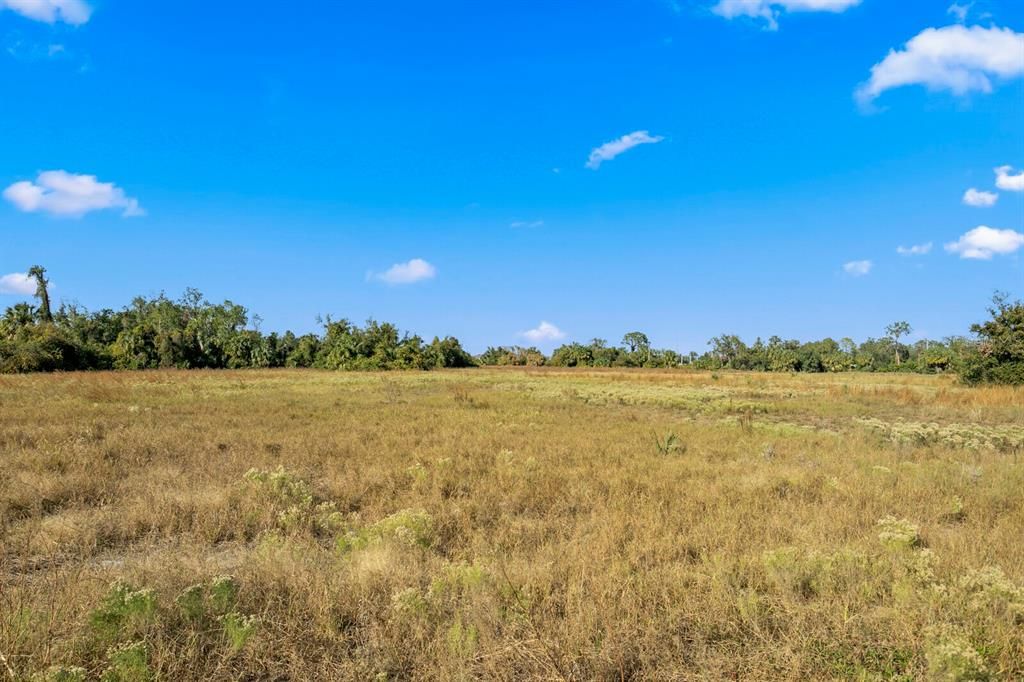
(128, 662)
(411, 527)
(223, 593)
(238, 629)
(670, 444)
(192, 602)
(123, 607)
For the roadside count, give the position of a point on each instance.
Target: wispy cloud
(768, 11)
(959, 11)
(609, 150)
(526, 224)
(1008, 180)
(857, 268)
(545, 331)
(915, 250)
(980, 198)
(957, 58)
(983, 242)
(415, 270)
(68, 195)
(17, 283)
(74, 12)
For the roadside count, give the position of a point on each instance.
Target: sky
(522, 173)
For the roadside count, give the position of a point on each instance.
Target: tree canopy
(192, 332)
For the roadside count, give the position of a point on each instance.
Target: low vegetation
(509, 524)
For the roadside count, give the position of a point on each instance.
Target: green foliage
(414, 528)
(293, 499)
(192, 602)
(462, 639)
(223, 593)
(191, 332)
(999, 357)
(122, 608)
(952, 658)
(128, 662)
(238, 628)
(670, 444)
(516, 356)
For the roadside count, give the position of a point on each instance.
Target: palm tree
(39, 272)
(17, 316)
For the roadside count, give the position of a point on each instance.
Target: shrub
(123, 607)
(952, 658)
(238, 628)
(898, 533)
(129, 662)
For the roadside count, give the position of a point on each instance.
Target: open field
(510, 524)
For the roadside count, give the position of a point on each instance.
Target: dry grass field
(554, 525)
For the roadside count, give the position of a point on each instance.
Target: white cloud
(526, 223)
(17, 283)
(915, 250)
(959, 11)
(769, 10)
(983, 242)
(857, 268)
(545, 331)
(957, 58)
(74, 12)
(609, 150)
(1011, 183)
(416, 270)
(66, 194)
(980, 198)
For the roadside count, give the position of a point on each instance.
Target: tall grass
(530, 524)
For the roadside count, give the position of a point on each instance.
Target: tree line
(191, 332)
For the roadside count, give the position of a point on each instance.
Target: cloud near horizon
(609, 150)
(73, 12)
(415, 270)
(983, 242)
(960, 59)
(69, 195)
(17, 283)
(545, 331)
(857, 268)
(768, 11)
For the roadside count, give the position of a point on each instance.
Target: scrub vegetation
(193, 333)
(511, 523)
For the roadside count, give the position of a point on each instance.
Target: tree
(637, 342)
(16, 317)
(39, 273)
(894, 331)
(999, 357)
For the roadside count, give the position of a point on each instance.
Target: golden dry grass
(513, 524)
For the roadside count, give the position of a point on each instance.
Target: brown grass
(514, 524)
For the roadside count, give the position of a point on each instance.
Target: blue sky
(288, 158)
